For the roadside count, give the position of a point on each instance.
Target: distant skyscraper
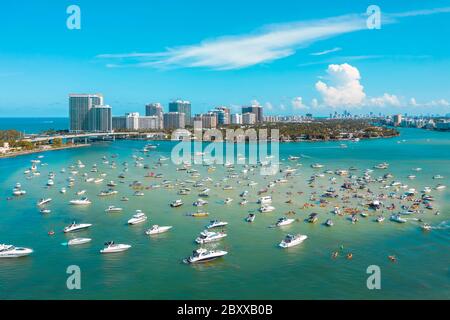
(257, 110)
(249, 118)
(154, 109)
(236, 118)
(79, 110)
(100, 119)
(174, 120)
(182, 107)
(208, 120)
(223, 115)
(119, 123)
(397, 119)
(132, 120)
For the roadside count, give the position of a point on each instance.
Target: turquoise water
(34, 125)
(255, 267)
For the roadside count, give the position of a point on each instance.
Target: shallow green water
(255, 267)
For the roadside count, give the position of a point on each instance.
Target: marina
(357, 208)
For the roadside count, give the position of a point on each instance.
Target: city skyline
(279, 60)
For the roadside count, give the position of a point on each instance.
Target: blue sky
(293, 57)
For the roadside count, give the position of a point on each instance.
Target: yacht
(80, 202)
(244, 194)
(382, 165)
(199, 214)
(113, 209)
(216, 224)
(265, 200)
(200, 203)
(138, 217)
(10, 251)
(108, 193)
(440, 187)
(176, 203)
(438, 176)
(203, 255)
(81, 192)
(243, 202)
(426, 227)
(426, 190)
(78, 241)
(76, 227)
(251, 217)
(63, 190)
(227, 201)
(157, 229)
(266, 208)
(43, 201)
(45, 211)
(380, 219)
(19, 192)
(293, 158)
(208, 236)
(317, 166)
(397, 218)
(312, 218)
(204, 193)
(292, 240)
(111, 247)
(329, 223)
(284, 222)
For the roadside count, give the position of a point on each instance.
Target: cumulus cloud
(268, 106)
(314, 103)
(386, 100)
(297, 103)
(433, 103)
(344, 88)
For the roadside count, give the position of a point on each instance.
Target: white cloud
(386, 100)
(297, 103)
(268, 106)
(344, 88)
(321, 53)
(314, 103)
(433, 103)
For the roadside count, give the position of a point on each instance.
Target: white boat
(440, 187)
(50, 182)
(19, 192)
(329, 223)
(438, 176)
(176, 203)
(251, 217)
(63, 190)
(139, 217)
(265, 200)
(208, 236)
(46, 211)
(203, 255)
(44, 201)
(383, 165)
(10, 251)
(293, 158)
(216, 224)
(397, 218)
(284, 222)
(108, 193)
(80, 202)
(426, 190)
(227, 201)
(113, 209)
(157, 229)
(76, 227)
(111, 247)
(317, 166)
(266, 208)
(426, 227)
(200, 203)
(78, 241)
(380, 219)
(292, 240)
(81, 192)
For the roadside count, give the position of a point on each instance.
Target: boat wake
(442, 226)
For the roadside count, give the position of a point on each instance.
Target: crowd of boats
(348, 194)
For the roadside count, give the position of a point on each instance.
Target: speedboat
(312, 218)
(329, 223)
(50, 182)
(251, 217)
(63, 190)
(440, 187)
(293, 158)
(265, 200)
(200, 203)
(113, 209)
(383, 165)
(111, 247)
(292, 240)
(426, 227)
(438, 176)
(176, 203)
(19, 192)
(216, 224)
(78, 241)
(380, 219)
(138, 217)
(317, 166)
(157, 229)
(10, 251)
(76, 227)
(44, 201)
(227, 201)
(45, 211)
(203, 255)
(243, 202)
(208, 236)
(397, 218)
(266, 208)
(80, 202)
(284, 222)
(199, 214)
(108, 193)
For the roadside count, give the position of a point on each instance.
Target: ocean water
(34, 125)
(255, 267)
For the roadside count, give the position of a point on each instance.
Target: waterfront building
(119, 123)
(181, 106)
(223, 115)
(249, 118)
(208, 120)
(132, 120)
(100, 119)
(155, 109)
(256, 110)
(236, 118)
(80, 106)
(149, 123)
(174, 120)
(397, 119)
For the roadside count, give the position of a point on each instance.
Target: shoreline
(28, 152)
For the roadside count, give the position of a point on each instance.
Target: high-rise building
(236, 118)
(174, 120)
(149, 122)
(397, 119)
(249, 118)
(119, 123)
(132, 120)
(182, 107)
(255, 109)
(79, 110)
(208, 120)
(154, 109)
(100, 119)
(223, 115)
